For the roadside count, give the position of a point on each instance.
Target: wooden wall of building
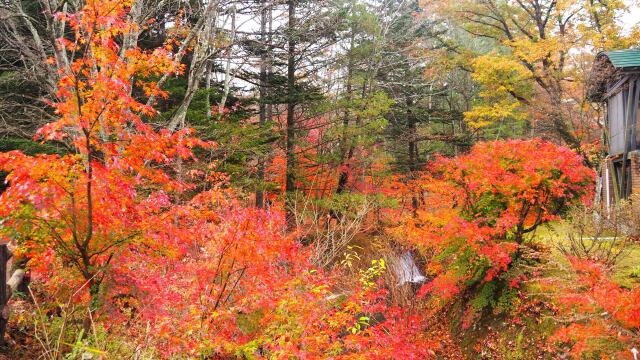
(616, 115)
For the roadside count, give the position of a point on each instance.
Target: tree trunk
(413, 151)
(291, 103)
(94, 292)
(346, 149)
(265, 16)
(199, 61)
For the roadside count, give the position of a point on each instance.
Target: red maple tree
(478, 208)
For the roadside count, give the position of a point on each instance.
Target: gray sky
(632, 17)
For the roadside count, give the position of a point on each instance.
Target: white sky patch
(632, 18)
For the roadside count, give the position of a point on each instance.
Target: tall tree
(33, 50)
(290, 178)
(265, 109)
(113, 152)
(529, 71)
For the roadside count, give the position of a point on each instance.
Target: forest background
(313, 179)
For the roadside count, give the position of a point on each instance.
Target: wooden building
(615, 82)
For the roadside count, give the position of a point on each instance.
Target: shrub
(599, 236)
(479, 210)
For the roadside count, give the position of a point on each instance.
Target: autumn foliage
(605, 312)
(477, 210)
(86, 205)
(240, 285)
(119, 224)
(134, 233)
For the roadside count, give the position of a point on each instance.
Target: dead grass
(555, 233)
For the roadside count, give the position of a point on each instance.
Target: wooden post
(4, 314)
